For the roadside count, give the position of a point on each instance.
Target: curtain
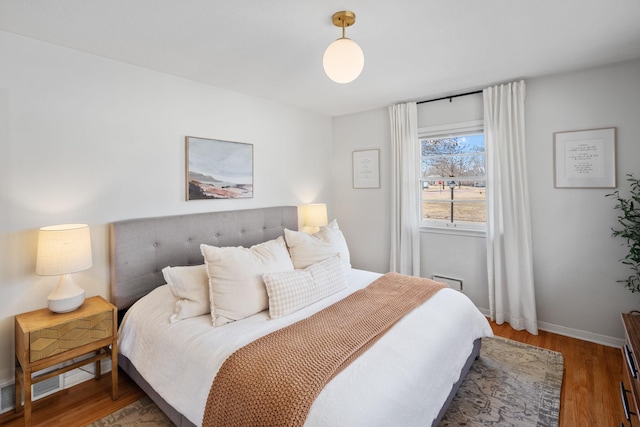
(405, 189)
(509, 253)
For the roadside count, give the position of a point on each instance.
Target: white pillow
(236, 288)
(293, 290)
(307, 249)
(190, 285)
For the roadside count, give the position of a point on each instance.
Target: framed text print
(366, 169)
(585, 158)
(218, 169)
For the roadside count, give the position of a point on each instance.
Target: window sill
(457, 231)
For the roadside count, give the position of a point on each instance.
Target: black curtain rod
(449, 97)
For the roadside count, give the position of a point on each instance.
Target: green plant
(629, 219)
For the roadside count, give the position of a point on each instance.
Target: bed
(407, 377)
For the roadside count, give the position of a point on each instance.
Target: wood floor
(590, 391)
(590, 395)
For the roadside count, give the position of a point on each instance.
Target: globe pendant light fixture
(343, 60)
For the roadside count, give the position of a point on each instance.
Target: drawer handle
(625, 402)
(632, 366)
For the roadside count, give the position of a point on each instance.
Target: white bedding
(403, 379)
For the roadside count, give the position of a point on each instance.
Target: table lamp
(63, 250)
(314, 216)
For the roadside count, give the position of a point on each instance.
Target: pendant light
(343, 60)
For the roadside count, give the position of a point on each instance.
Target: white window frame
(443, 131)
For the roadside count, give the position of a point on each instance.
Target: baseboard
(583, 335)
(573, 333)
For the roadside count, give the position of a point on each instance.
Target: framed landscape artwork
(218, 169)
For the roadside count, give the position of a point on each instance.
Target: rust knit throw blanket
(274, 380)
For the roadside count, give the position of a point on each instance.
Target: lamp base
(66, 297)
(309, 229)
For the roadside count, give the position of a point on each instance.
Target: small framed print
(218, 169)
(366, 169)
(585, 158)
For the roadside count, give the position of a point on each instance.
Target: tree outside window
(453, 179)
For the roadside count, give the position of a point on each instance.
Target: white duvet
(403, 379)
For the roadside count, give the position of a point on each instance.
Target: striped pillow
(292, 290)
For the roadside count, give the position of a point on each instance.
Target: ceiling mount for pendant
(343, 19)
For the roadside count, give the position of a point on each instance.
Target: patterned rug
(511, 384)
(139, 414)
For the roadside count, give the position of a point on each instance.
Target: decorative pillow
(293, 290)
(307, 249)
(190, 285)
(236, 288)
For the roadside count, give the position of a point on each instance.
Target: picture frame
(366, 168)
(218, 169)
(585, 158)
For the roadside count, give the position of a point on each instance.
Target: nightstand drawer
(56, 339)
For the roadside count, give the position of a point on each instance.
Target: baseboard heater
(450, 281)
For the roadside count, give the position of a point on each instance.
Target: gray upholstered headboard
(141, 248)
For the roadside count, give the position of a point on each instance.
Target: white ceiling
(414, 49)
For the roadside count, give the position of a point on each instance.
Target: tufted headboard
(141, 248)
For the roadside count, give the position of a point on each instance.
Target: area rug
(139, 414)
(510, 384)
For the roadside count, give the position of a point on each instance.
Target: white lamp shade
(343, 60)
(63, 249)
(315, 215)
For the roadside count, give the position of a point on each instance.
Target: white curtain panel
(509, 253)
(405, 189)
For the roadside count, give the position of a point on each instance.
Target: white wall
(86, 139)
(363, 214)
(459, 256)
(575, 259)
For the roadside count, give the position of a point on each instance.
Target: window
(453, 181)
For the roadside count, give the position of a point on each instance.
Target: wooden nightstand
(45, 339)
